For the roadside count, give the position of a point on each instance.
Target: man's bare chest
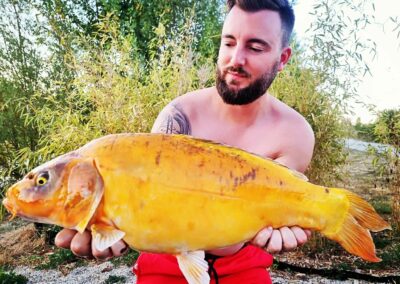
(251, 140)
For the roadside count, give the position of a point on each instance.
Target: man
(239, 112)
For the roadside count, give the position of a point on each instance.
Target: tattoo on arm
(176, 122)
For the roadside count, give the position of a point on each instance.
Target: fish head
(65, 191)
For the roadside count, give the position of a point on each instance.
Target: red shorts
(248, 265)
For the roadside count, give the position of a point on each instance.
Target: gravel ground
(100, 273)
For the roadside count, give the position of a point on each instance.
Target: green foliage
(299, 88)
(115, 279)
(365, 132)
(7, 277)
(387, 163)
(114, 91)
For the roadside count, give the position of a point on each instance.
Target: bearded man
(238, 111)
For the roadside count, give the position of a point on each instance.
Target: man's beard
(248, 94)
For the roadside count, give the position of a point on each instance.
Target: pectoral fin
(194, 267)
(85, 191)
(105, 236)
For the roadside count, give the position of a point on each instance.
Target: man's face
(250, 55)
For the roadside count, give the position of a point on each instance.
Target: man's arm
(172, 119)
(297, 156)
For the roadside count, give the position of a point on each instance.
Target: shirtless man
(240, 112)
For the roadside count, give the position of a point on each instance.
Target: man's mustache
(238, 70)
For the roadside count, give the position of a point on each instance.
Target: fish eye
(42, 179)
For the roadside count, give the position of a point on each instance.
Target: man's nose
(238, 57)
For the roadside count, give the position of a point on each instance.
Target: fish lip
(7, 204)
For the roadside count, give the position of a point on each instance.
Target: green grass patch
(127, 259)
(60, 257)
(382, 206)
(112, 279)
(8, 277)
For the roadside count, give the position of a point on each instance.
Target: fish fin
(104, 236)
(356, 239)
(85, 191)
(194, 267)
(365, 214)
(354, 233)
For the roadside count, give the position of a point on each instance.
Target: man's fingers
(119, 248)
(80, 244)
(262, 237)
(300, 234)
(275, 242)
(288, 239)
(64, 237)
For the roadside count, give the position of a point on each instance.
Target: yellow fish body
(180, 195)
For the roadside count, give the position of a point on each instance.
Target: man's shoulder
(193, 98)
(176, 116)
(295, 136)
(288, 116)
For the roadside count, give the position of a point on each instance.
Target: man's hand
(284, 239)
(81, 245)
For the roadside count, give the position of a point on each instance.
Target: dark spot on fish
(158, 158)
(147, 143)
(280, 183)
(141, 205)
(30, 176)
(201, 164)
(236, 182)
(251, 175)
(113, 142)
(190, 226)
(326, 190)
(230, 174)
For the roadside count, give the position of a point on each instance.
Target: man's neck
(241, 115)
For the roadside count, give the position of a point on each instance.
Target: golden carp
(180, 195)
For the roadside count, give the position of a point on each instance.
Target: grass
(127, 259)
(112, 279)
(60, 257)
(11, 277)
(382, 206)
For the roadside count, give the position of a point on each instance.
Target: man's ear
(285, 55)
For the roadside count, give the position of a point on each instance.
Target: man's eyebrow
(228, 36)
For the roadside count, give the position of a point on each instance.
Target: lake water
(358, 145)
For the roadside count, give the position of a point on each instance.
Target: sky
(382, 89)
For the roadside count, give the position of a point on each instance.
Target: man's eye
(256, 49)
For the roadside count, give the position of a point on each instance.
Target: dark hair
(284, 9)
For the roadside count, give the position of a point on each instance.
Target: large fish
(180, 195)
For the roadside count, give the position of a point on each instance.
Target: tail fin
(365, 214)
(354, 234)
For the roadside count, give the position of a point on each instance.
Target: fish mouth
(7, 204)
